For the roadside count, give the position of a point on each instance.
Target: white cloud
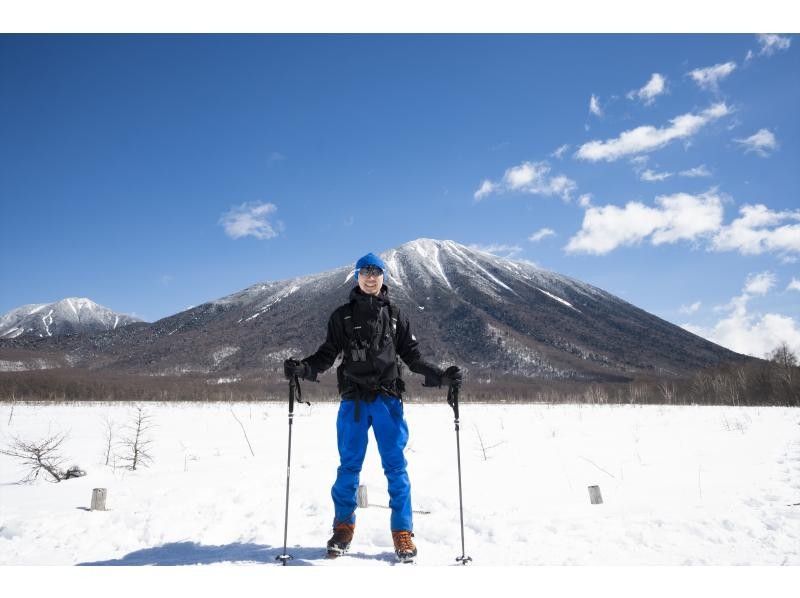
(251, 219)
(748, 333)
(771, 43)
(709, 77)
(499, 249)
(487, 188)
(530, 177)
(275, 157)
(749, 56)
(648, 138)
(585, 200)
(594, 106)
(559, 153)
(794, 285)
(759, 284)
(691, 309)
(760, 230)
(541, 234)
(697, 171)
(762, 142)
(651, 90)
(676, 217)
(652, 176)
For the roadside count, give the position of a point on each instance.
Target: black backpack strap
(348, 322)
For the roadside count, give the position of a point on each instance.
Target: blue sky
(151, 173)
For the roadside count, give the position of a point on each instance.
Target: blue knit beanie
(369, 260)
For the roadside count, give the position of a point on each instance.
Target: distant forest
(773, 381)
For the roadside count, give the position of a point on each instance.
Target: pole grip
(452, 399)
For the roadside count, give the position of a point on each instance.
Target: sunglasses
(370, 271)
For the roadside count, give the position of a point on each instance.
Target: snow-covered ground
(681, 485)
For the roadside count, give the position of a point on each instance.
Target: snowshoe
(404, 546)
(340, 541)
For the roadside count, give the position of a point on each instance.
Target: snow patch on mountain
(223, 353)
(559, 299)
(273, 300)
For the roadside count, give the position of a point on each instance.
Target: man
(371, 334)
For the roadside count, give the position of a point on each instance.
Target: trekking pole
(294, 388)
(452, 400)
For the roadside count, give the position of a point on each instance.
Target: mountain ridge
(491, 315)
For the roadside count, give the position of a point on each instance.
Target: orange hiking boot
(404, 546)
(340, 541)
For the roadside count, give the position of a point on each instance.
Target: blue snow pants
(385, 415)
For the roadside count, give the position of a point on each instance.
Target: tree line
(772, 381)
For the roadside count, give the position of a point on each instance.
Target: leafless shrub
(485, 448)
(137, 442)
(233, 413)
(110, 431)
(39, 456)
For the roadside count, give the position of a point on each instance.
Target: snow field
(681, 485)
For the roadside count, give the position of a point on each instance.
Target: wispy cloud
(651, 90)
(762, 143)
(275, 157)
(251, 219)
(487, 188)
(794, 285)
(559, 153)
(540, 234)
(771, 43)
(529, 177)
(748, 333)
(760, 284)
(594, 106)
(697, 171)
(648, 138)
(691, 309)
(760, 230)
(674, 218)
(709, 77)
(499, 249)
(652, 176)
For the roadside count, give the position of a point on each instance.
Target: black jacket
(379, 371)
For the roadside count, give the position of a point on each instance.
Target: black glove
(292, 368)
(452, 376)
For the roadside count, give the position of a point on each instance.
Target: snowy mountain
(69, 316)
(493, 316)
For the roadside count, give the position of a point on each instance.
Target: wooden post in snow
(361, 497)
(99, 499)
(595, 496)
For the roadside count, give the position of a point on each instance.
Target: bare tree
(110, 430)
(485, 448)
(786, 362)
(668, 391)
(13, 404)
(137, 442)
(243, 432)
(40, 456)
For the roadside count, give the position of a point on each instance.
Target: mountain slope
(491, 315)
(70, 316)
